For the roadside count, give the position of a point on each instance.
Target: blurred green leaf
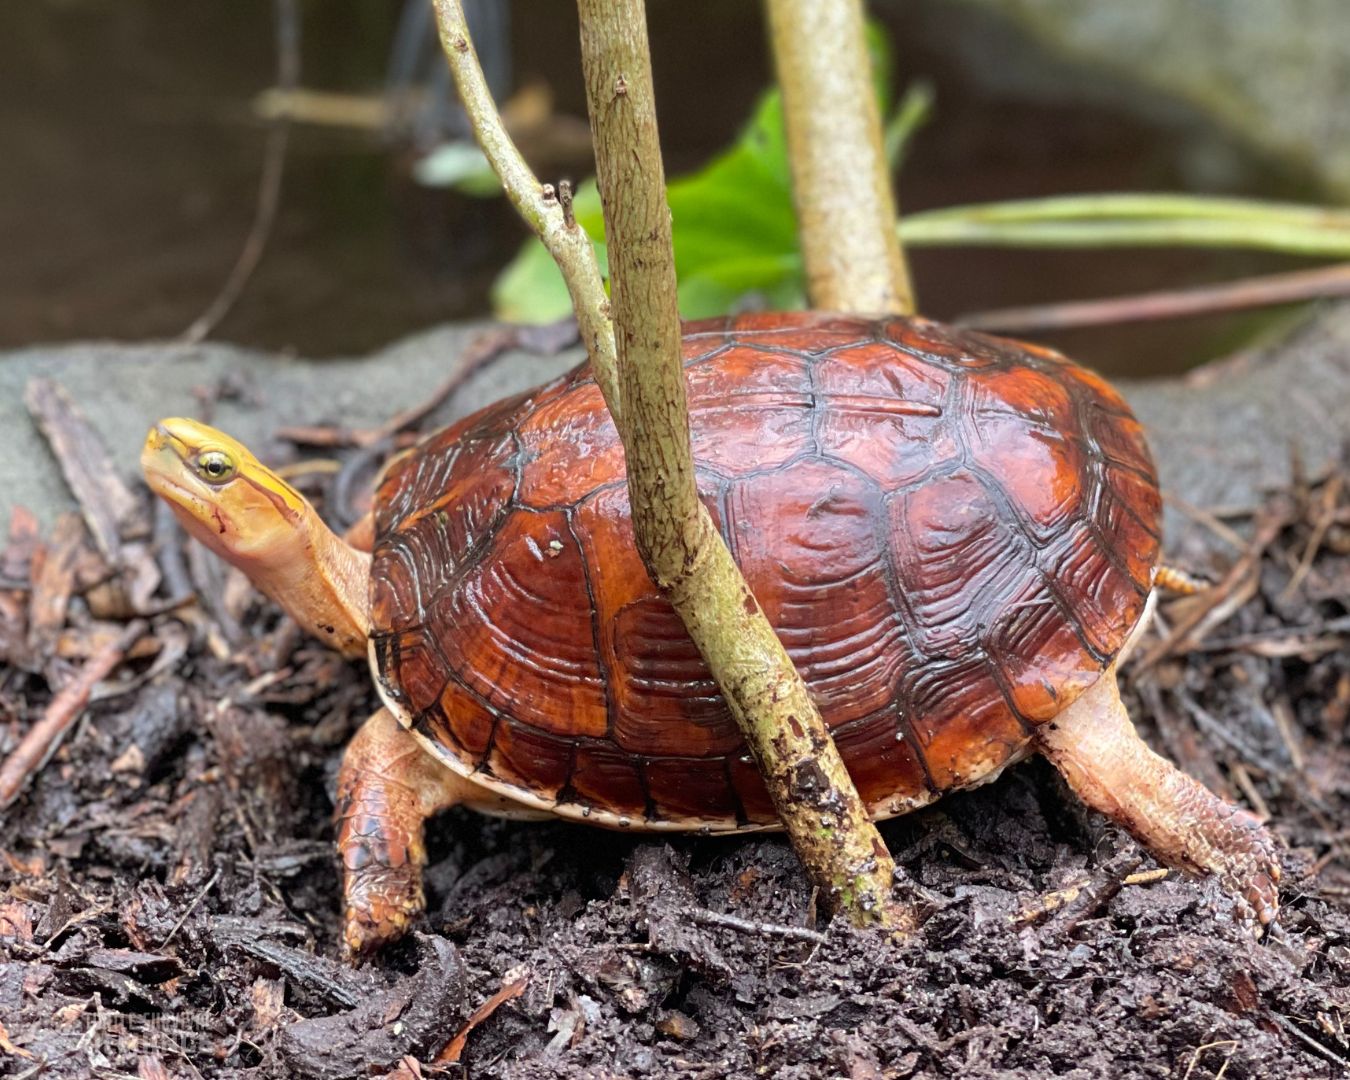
(916, 108)
(461, 166)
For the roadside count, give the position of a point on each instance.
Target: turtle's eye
(215, 466)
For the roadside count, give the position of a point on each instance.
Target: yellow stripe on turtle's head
(223, 495)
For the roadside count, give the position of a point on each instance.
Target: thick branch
(840, 180)
(682, 548)
(565, 240)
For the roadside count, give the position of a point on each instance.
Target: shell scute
(820, 576)
(665, 700)
(522, 639)
(886, 419)
(604, 775)
(693, 788)
(958, 559)
(963, 729)
(527, 757)
(722, 387)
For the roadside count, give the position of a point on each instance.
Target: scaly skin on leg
(387, 787)
(1095, 746)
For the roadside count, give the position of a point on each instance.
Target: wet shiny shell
(953, 535)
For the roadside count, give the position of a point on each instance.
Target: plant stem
(840, 180)
(679, 543)
(538, 205)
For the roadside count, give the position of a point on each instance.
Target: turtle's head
(223, 495)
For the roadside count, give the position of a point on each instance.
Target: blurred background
(134, 135)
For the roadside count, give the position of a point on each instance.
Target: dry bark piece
(55, 566)
(511, 988)
(414, 1016)
(109, 508)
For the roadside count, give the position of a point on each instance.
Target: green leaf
(915, 110)
(530, 289)
(734, 227)
(458, 165)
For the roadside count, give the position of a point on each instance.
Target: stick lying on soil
(62, 711)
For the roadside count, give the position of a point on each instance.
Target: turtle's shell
(953, 535)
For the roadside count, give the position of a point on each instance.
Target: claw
(380, 909)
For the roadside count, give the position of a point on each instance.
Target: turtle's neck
(324, 586)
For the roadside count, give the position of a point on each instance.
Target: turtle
(955, 535)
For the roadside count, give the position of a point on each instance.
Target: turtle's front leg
(1095, 746)
(387, 787)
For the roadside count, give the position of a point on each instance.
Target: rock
(123, 389)
(1273, 74)
(1221, 435)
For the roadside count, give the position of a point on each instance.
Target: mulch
(170, 896)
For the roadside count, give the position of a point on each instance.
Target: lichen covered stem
(841, 185)
(538, 205)
(679, 543)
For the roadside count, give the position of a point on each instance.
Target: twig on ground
(45, 736)
(1232, 1045)
(479, 354)
(761, 929)
(1326, 518)
(1311, 1043)
(1074, 903)
(108, 507)
(1206, 518)
(1212, 607)
(210, 884)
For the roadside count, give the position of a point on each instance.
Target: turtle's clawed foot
(1180, 821)
(1248, 863)
(381, 904)
(387, 787)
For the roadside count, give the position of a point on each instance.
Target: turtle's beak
(165, 461)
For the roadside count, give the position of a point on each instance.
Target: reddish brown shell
(952, 534)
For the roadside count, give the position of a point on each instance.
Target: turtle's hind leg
(1095, 746)
(387, 787)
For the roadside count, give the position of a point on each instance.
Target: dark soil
(170, 903)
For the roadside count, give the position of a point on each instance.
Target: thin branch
(841, 183)
(1290, 288)
(269, 185)
(536, 203)
(679, 543)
